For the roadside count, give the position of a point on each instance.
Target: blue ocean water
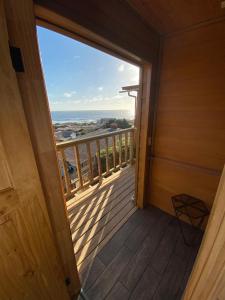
(89, 115)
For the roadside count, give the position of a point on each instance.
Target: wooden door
(29, 265)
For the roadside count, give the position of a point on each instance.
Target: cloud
(100, 88)
(63, 102)
(73, 102)
(121, 68)
(76, 56)
(117, 97)
(103, 99)
(69, 94)
(95, 99)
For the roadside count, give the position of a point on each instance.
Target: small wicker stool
(194, 208)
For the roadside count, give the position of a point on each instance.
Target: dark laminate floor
(145, 259)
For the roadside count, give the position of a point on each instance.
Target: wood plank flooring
(96, 214)
(145, 259)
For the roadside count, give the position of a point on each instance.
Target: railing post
(107, 156)
(89, 162)
(126, 142)
(66, 174)
(77, 159)
(114, 151)
(117, 148)
(131, 147)
(120, 150)
(98, 159)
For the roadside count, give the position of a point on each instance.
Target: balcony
(121, 252)
(98, 176)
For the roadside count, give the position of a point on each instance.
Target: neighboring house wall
(189, 143)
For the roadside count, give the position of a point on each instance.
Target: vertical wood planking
(66, 173)
(98, 159)
(77, 158)
(89, 161)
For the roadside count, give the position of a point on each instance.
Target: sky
(79, 77)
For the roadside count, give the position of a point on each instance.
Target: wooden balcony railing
(85, 161)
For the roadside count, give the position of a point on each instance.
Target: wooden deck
(145, 259)
(96, 214)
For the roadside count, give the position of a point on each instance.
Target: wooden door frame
(31, 266)
(21, 25)
(207, 276)
(36, 107)
(62, 25)
(210, 248)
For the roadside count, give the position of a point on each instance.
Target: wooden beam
(142, 134)
(113, 21)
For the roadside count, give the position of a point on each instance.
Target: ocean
(89, 115)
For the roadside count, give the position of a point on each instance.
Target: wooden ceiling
(167, 16)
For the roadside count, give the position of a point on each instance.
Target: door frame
(209, 266)
(60, 24)
(210, 247)
(21, 26)
(36, 107)
(31, 266)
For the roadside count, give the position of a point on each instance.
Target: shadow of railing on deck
(89, 220)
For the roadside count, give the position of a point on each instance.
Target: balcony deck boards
(145, 259)
(96, 214)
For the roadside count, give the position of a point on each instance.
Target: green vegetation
(119, 123)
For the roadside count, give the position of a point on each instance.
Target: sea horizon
(88, 116)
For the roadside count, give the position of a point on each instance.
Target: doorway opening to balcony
(116, 245)
(93, 99)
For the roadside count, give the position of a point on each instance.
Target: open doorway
(97, 132)
(93, 99)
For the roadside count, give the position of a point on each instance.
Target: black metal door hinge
(16, 58)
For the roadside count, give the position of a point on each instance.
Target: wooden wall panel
(189, 142)
(167, 16)
(171, 177)
(208, 275)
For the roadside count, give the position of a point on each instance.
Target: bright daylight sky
(79, 77)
